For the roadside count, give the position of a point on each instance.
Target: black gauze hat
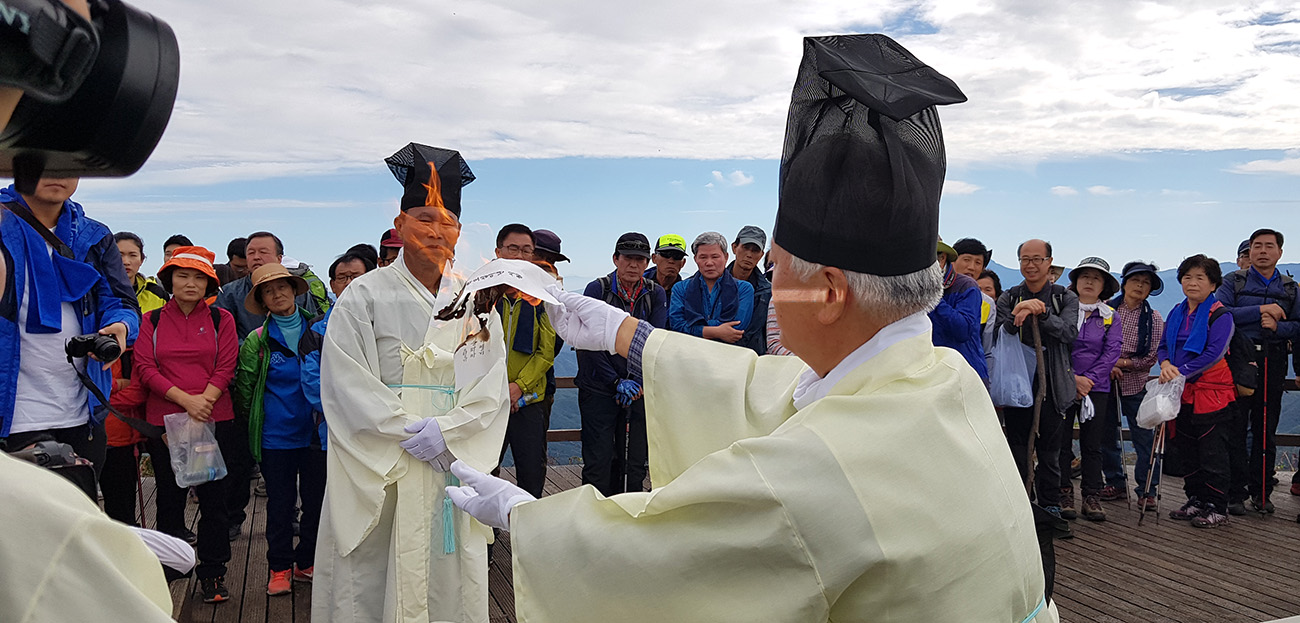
(432, 176)
(864, 162)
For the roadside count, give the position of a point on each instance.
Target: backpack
(642, 304)
(1288, 286)
(216, 327)
(1240, 359)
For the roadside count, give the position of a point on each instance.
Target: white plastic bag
(1162, 402)
(1011, 379)
(196, 459)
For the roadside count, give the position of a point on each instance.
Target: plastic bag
(1162, 402)
(1011, 377)
(196, 458)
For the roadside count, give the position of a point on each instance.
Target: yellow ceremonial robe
(380, 552)
(894, 498)
(65, 560)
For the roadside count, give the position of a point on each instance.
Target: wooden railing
(574, 434)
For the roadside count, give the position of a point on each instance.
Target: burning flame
(434, 187)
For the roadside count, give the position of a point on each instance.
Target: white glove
(426, 443)
(583, 322)
(171, 551)
(486, 498)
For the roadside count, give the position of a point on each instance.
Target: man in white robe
(398, 410)
(865, 480)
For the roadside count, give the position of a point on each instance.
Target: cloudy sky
(1122, 129)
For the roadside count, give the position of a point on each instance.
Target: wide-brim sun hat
(947, 250)
(194, 258)
(1134, 268)
(264, 275)
(1100, 265)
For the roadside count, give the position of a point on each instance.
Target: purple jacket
(1097, 349)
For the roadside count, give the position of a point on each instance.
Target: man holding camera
(66, 278)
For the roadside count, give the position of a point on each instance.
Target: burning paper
(493, 279)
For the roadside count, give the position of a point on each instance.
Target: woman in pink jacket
(185, 359)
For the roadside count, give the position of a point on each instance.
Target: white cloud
(1063, 191)
(735, 178)
(1287, 165)
(957, 187)
(1107, 191)
(268, 90)
(740, 178)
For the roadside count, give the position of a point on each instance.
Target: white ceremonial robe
(62, 559)
(380, 552)
(893, 498)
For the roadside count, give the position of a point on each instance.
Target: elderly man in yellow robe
(865, 480)
(402, 399)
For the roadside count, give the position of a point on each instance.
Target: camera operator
(51, 298)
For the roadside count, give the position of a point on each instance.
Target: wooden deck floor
(1112, 571)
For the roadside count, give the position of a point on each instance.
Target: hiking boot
(1148, 503)
(1112, 494)
(1092, 510)
(1210, 518)
(214, 590)
(1237, 509)
(186, 535)
(303, 575)
(1265, 507)
(1295, 487)
(280, 583)
(1191, 510)
(1061, 530)
(1067, 503)
(260, 489)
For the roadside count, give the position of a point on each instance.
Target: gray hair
(709, 237)
(889, 299)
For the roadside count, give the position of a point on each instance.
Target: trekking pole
(1157, 449)
(1264, 483)
(627, 442)
(1119, 428)
(1039, 395)
(139, 483)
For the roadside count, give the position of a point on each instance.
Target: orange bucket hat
(195, 258)
(266, 274)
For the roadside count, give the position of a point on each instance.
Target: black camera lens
(103, 347)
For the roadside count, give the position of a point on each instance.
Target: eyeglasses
(1036, 261)
(633, 245)
(676, 256)
(345, 278)
(514, 248)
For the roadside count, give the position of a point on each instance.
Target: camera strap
(144, 428)
(22, 212)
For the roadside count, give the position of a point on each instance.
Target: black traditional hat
(432, 176)
(863, 163)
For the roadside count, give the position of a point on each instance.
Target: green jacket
(249, 386)
(527, 369)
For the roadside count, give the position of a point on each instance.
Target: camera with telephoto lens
(97, 93)
(103, 347)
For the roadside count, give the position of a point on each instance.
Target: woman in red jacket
(185, 359)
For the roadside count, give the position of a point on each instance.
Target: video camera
(97, 93)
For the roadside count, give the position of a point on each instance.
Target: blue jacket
(956, 322)
(599, 371)
(112, 299)
(309, 349)
(681, 309)
(755, 337)
(1244, 291)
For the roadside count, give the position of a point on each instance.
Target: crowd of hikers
(238, 344)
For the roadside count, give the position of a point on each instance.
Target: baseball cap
(546, 240)
(391, 239)
(633, 243)
(750, 234)
(671, 242)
